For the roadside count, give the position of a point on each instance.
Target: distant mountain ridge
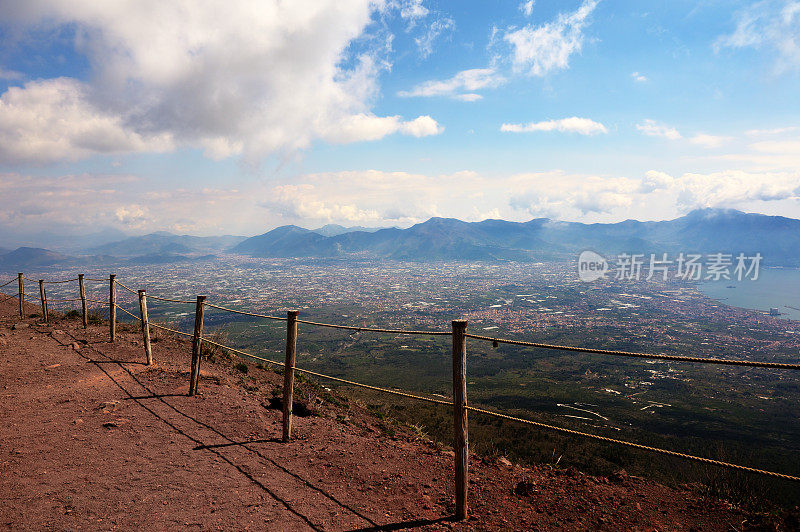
(165, 243)
(336, 229)
(701, 231)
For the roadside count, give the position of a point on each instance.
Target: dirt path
(90, 438)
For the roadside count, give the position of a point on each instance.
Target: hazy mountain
(702, 231)
(62, 242)
(25, 257)
(335, 229)
(165, 243)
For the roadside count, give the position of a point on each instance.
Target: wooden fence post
(194, 377)
(43, 297)
(288, 372)
(460, 428)
(112, 306)
(21, 296)
(148, 352)
(83, 299)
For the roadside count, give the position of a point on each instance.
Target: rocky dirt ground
(91, 438)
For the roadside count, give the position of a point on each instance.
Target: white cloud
(466, 80)
(52, 120)
(540, 49)
(240, 78)
(735, 187)
(11, 75)
(770, 132)
(709, 141)
(413, 10)
(656, 180)
(640, 78)
(363, 127)
(583, 126)
(527, 7)
(422, 126)
(435, 29)
(655, 129)
(774, 24)
(468, 97)
(559, 194)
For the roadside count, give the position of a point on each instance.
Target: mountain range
(701, 231)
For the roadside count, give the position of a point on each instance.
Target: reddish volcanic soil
(90, 438)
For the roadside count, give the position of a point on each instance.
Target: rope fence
(157, 326)
(131, 290)
(459, 338)
(635, 445)
(134, 316)
(63, 281)
(337, 379)
(170, 300)
(723, 361)
(245, 313)
(372, 329)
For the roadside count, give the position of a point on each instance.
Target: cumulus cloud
(235, 79)
(466, 81)
(53, 120)
(656, 180)
(541, 49)
(583, 126)
(556, 194)
(734, 187)
(654, 129)
(773, 24)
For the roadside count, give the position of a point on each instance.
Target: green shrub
(241, 366)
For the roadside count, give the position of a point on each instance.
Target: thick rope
(97, 280)
(152, 324)
(128, 313)
(8, 283)
(131, 290)
(242, 352)
(245, 313)
(170, 300)
(370, 329)
(727, 362)
(376, 388)
(636, 445)
(59, 282)
(61, 300)
(15, 296)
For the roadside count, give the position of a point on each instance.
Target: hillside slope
(91, 438)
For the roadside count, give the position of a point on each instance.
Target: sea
(775, 288)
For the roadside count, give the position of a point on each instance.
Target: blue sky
(242, 116)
